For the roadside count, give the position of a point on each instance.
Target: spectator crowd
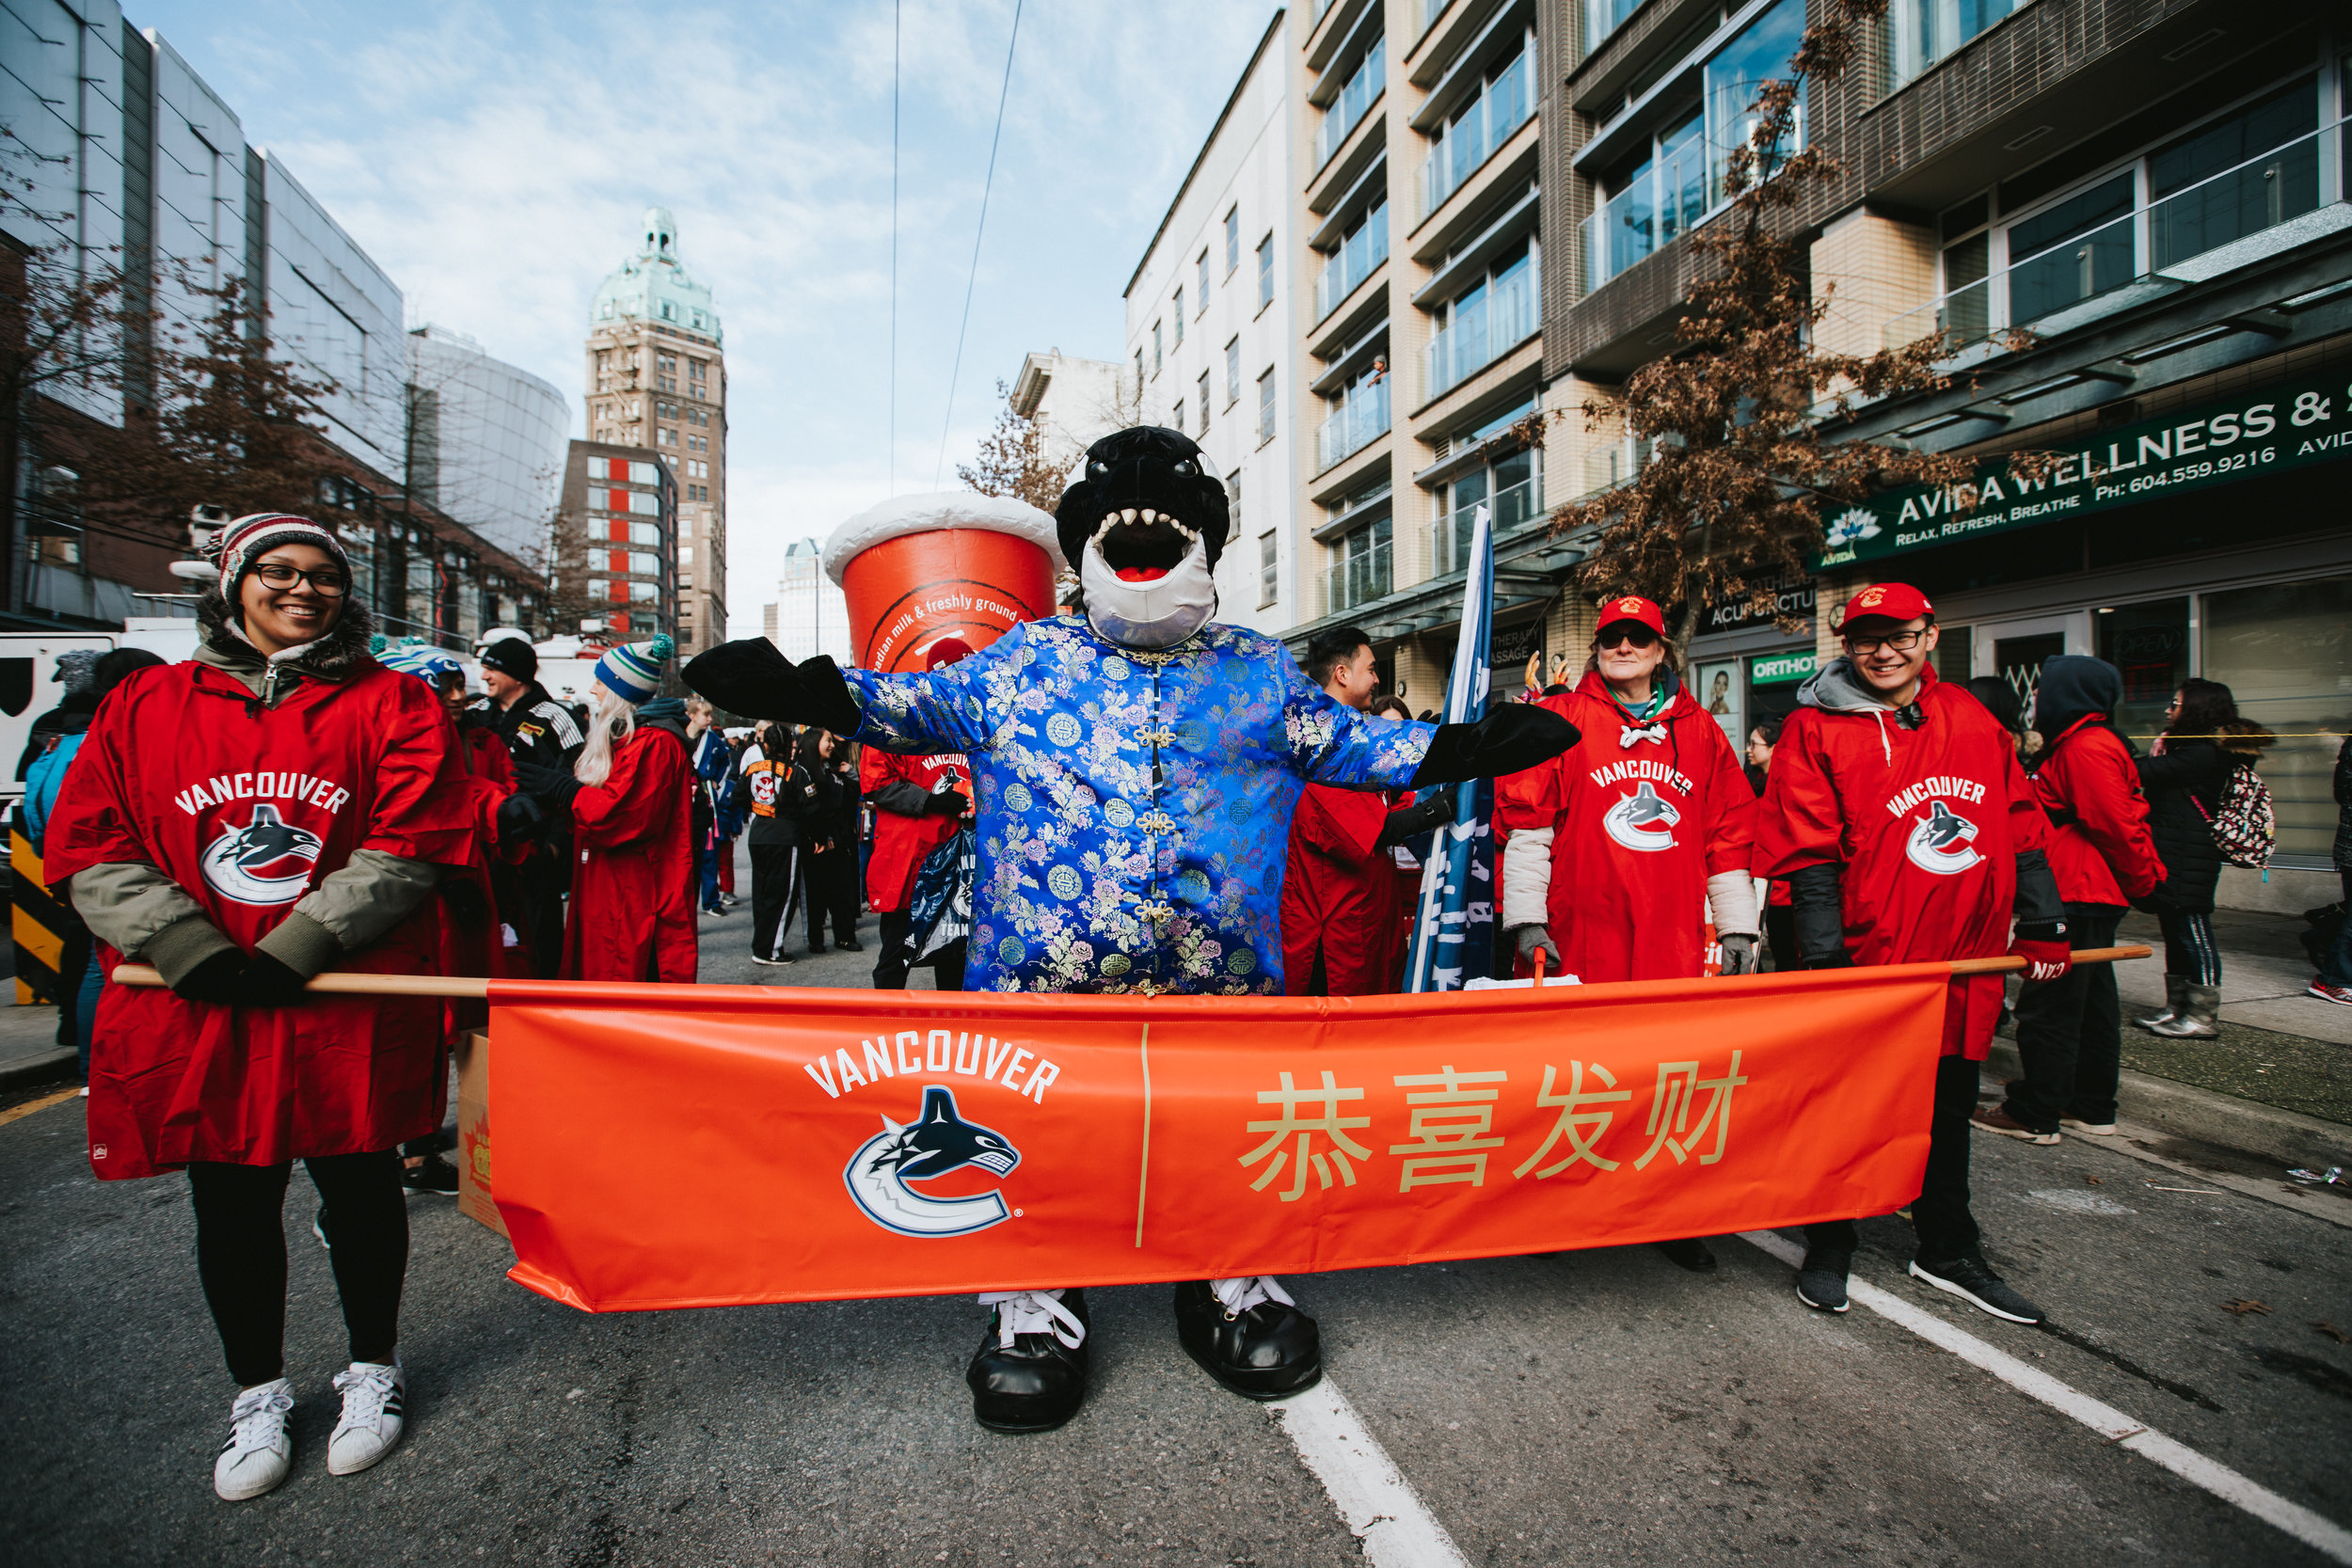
(319, 799)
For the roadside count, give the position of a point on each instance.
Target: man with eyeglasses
(1908, 833)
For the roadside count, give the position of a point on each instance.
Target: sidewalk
(29, 1055)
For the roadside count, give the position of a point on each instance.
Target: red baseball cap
(1886, 601)
(1631, 608)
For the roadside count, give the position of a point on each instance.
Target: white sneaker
(260, 1449)
(374, 1397)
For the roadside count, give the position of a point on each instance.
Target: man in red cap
(1909, 834)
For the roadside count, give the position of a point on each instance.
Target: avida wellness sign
(2275, 428)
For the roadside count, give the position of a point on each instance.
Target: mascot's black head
(1149, 477)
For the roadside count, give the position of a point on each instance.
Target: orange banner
(664, 1146)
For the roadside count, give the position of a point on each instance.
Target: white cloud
(495, 162)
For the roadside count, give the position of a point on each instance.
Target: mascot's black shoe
(1261, 1346)
(1031, 1371)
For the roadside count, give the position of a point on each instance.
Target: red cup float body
(930, 578)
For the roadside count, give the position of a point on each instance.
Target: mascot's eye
(1098, 467)
(1184, 466)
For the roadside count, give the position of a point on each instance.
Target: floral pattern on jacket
(1133, 807)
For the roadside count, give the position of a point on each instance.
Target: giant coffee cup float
(941, 574)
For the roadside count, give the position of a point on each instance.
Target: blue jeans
(2337, 967)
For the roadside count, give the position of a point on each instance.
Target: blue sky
(494, 160)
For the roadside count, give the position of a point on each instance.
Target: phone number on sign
(2189, 471)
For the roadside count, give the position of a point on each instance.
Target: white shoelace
(366, 1387)
(1239, 1295)
(257, 1419)
(1628, 734)
(1034, 1312)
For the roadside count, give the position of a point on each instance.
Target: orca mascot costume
(1163, 753)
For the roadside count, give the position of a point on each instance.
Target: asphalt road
(1600, 1406)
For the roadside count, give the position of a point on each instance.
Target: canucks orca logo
(1643, 820)
(266, 862)
(936, 1143)
(1941, 841)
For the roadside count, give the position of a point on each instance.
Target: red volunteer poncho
(902, 841)
(1639, 825)
(247, 808)
(1340, 894)
(632, 915)
(1927, 824)
(2100, 849)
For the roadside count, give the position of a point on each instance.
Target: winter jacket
(782, 800)
(632, 910)
(1631, 823)
(302, 806)
(1340, 895)
(1929, 821)
(2100, 847)
(2184, 787)
(43, 779)
(904, 832)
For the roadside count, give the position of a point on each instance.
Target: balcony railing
(1361, 419)
(1666, 200)
(1502, 318)
(2095, 274)
(1449, 535)
(1354, 261)
(1357, 581)
(1361, 92)
(1507, 103)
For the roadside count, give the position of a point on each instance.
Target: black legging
(241, 1254)
(2189, 949)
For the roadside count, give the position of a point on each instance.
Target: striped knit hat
(236, 547)
(632, 672)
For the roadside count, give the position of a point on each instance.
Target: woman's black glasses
(325, 581)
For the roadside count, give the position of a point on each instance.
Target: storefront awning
(2288, 424)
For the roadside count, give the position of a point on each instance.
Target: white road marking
(2322, 1534)
(1378, 1504)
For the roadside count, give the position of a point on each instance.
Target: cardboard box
(473, 1130)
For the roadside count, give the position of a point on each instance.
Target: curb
(2288, 1138)
(33, 1073)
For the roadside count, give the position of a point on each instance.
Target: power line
(973, 278)
(895, 8)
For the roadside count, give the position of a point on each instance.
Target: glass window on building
(1232, 373)
(1265, 408)
(1733, 77)
(1266, 272)
(1921, 32)
(2285, 652)
(1200, 303)
(2149, 644)
(1270, 575)
(1204, 403)
(1363, 571)
(1232, 240)
(1488, 320)
(1178, 316)
(1157, 358)
(1511, 485)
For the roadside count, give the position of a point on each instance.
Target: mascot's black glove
(1414, 820)
(947, 802)
(215, 980)
(267, 983)
(555, 786)
(750, 677)
(1511, 739)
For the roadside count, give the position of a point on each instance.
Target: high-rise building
(610, 577)
(657, 378)
(1211, 335)
(486, 440)
(810, 615)
(1420, 327)
(1074, 402)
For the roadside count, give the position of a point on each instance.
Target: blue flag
(1454, 931)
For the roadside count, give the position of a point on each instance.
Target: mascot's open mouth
(1140, 545)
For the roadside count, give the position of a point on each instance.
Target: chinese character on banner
(1328, 1122)
(1679, 1087)
(1449, 1122)
(1581, 1127)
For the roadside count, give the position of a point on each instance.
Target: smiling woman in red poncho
(279, 806)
